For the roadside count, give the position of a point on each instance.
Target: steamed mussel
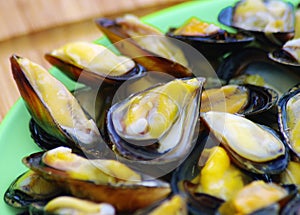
(54, 108)
(158, 123)
(208, 38)
(97, 180)
(29, 188)
(271, 21)
(242, 99)
(249, 200)
(289, 54)
(289, 109)
(254, 148)
(93, 63)
(146, 45)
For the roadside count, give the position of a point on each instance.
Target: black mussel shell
(261, 99)
(282, 116)
(24, 190)
(236, 63)
(277, 38)
(215, 45)
(292, 207)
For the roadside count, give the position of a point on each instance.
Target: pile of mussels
(142, 134)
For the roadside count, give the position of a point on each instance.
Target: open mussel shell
(98, 108)
(53, 107)
(74, 64)
(277, 37)
(252, 147)
(241, 204)
(288, 55)
(288, 110)
(173, 135)
(124, 197)
(118, 32)
(28, 188)
(247, 99)
(216, 45)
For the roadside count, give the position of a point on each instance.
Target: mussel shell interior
(261, 99)
(284, 58)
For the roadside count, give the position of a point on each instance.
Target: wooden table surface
(33, 46)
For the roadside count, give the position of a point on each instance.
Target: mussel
(146, 45)
(208, 38)
(54, 108)
(242, 99)
(93, 64)
(28, 188)
(97, 180)
(288, 55)
(71, 205)
(259, 197)
(270, 21)
(289, 109)
(158, 124)
(254, 148)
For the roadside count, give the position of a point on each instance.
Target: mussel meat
(271, 21)
(146, 45)
(208, 38)
(175, 205)
(71, 205)
(254, 148)
(242, 99)
(93, 63)
(53, 107)
(97, 180)
(289, 122)
(259, 197)
(158, 123)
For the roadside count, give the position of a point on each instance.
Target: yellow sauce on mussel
(94, 57)
(255, 196)
(244, 137)
(293, 121)
(230, 98)
(196, 27)
(174, 206)
(260, 15)
(151, 113)
(62, 105)
(98, 171)
(218, 177)
(72, 205)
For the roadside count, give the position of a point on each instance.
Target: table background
(30, 28)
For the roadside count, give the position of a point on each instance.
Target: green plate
(15, 140)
